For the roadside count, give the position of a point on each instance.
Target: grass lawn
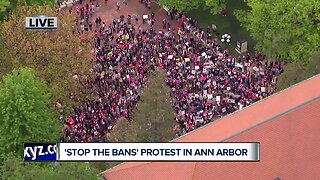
(297, 72)
(153, 118)
(228, 24)
(155, 115)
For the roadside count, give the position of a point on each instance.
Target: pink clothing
(203, 78)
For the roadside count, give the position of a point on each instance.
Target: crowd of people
(205, 81)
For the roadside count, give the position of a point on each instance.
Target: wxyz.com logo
(33, 152)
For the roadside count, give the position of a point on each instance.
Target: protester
(118, 6)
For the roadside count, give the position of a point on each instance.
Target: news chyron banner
(172, 151)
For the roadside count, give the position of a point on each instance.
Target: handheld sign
(41, 22)
(145, 17)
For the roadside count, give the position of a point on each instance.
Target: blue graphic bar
(40, 151)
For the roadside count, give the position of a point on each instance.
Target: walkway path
(108, 11)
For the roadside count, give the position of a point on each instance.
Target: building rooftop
(287, 125)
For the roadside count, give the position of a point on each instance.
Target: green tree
(37, 2)
(4, 4)
(14, 168)
(181, 5)
(24, 112)
(9, 5)
(60, 57)
(285, 29)
(215, 6)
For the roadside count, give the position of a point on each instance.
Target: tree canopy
(182, 5)
(24, 112)
(59, 56)
(284, 29)
(215, 6)
(4, 4)
(8, 5)
(14, 168)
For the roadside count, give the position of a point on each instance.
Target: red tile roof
(287, 125)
